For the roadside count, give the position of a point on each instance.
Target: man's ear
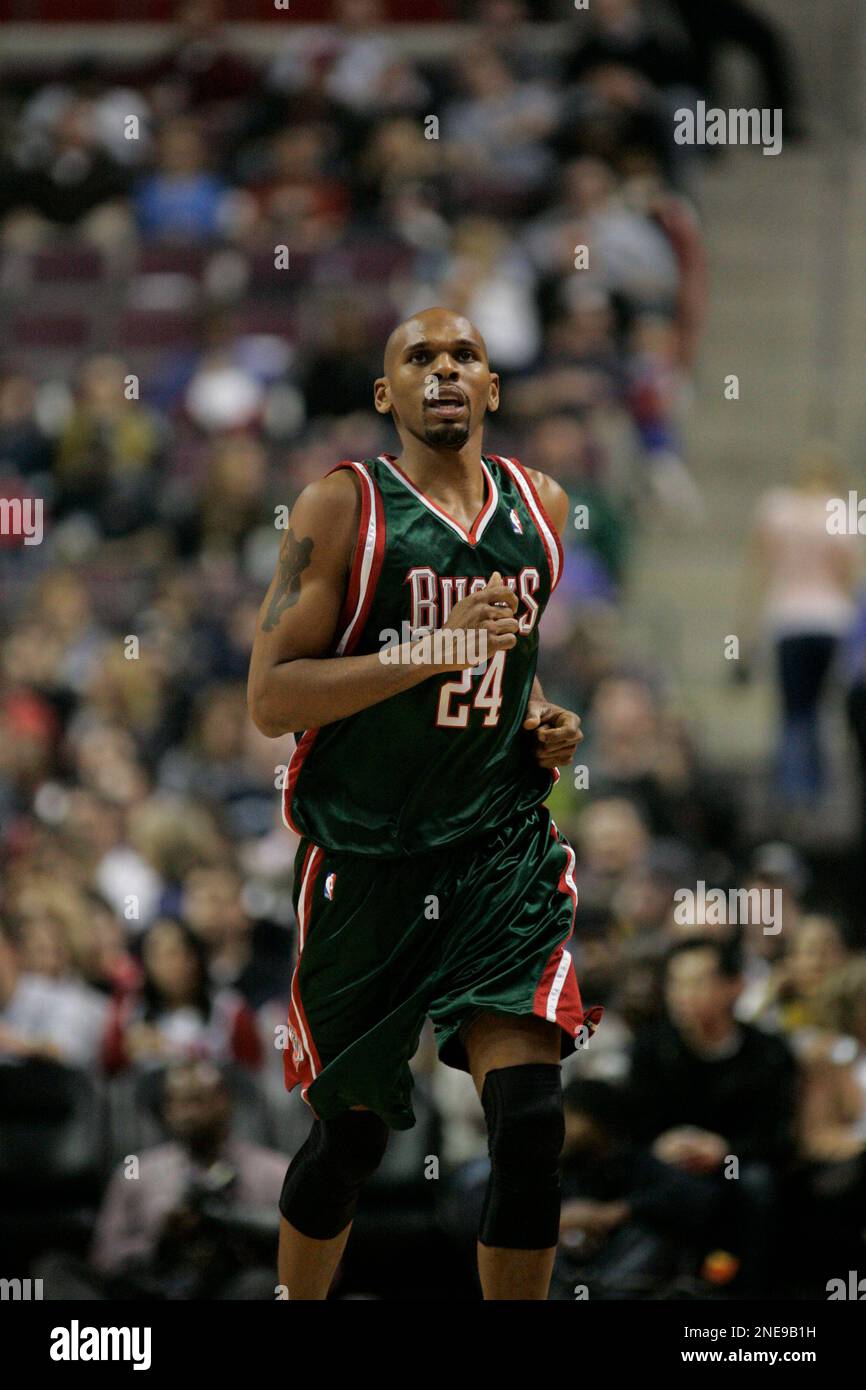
(493, 392)
(382, 395)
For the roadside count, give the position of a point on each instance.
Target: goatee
(446, 435)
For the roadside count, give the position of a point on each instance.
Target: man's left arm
(557, 730)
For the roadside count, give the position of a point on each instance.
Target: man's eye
(466, 352)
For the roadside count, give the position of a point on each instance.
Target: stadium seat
(79, 264)
(54, 331)
(139, 328)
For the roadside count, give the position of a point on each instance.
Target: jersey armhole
(368, 553)
(545, 527)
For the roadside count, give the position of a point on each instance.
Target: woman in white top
(800, 580)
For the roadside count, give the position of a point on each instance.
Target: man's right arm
(293, 683)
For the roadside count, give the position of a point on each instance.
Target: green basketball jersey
(447, 759)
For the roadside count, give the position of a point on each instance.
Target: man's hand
(557, 730)
(490, 610)
(585, 1225)
(695, 1150)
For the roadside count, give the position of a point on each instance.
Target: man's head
(437, 384)
(212, 904)
(196, 1103)
(702, 981)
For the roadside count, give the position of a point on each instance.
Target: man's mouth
(448, 404)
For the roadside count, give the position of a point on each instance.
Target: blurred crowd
(200, 258)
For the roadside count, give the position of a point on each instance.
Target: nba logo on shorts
(329, 886)
(515, 522)
(297, 1049)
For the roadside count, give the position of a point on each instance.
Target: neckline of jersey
(488, 506)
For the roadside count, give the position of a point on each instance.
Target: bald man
(400, 634)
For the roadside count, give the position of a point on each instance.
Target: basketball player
(430, 879)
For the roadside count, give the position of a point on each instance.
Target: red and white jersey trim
(474, 534)
(366, 567)
(546, 529)
(567, 885)
(307, 1069)
(371, 545)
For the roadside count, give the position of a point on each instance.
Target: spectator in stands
(833, 1111)
(253, 958)
(829, 1189)
(43, 1016)
(774, 868)
(67, 180)
(631, 1223)
(181, 198)
(298, 201)
(201, 69)
(489, 279)
(26, 450)
(705, 1090)
(611, 839)
(638, 749)
(339, 369)
(799, 579)
(365, 71)
(109, 452)
(581, 367)
(200, 1219)
(619, 33)
(815, 950)
(104, 958)
(564, 446)
(178, 1013)
(496, 133)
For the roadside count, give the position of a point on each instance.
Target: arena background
(194, 307)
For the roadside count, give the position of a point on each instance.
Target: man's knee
(321, 1187)
(526, 1131)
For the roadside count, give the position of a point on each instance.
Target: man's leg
(319, 1197)
(523, 1103)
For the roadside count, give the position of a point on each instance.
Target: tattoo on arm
(294, 557)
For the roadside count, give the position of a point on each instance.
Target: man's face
(211, 905)
(438, 384)
(696, 991)
(196, 1105)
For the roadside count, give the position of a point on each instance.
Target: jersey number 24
(488, 696)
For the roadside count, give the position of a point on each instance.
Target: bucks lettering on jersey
(448, 758)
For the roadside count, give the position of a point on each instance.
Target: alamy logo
(854, 1289)
(20, 1290)
(735, 127)
(22, 517)
(76, 1343)
(739, 906)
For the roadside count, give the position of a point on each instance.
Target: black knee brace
(321, 1187)
(525, 1134)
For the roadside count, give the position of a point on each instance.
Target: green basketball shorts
(384, 943)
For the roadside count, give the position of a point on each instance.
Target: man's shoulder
(772, 1047)
(655, 1035)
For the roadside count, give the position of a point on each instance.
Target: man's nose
(445, 366)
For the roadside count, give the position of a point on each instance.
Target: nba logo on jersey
(329, 886)
(515, 521)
